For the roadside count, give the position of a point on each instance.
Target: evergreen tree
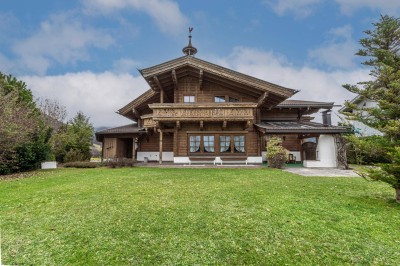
(381, 50)
(73, 142)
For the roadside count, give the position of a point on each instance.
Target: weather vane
(189, 49)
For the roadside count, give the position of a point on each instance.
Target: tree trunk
(398, 195)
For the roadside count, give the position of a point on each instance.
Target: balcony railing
(202, 112)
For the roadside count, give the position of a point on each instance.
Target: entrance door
(310, 150)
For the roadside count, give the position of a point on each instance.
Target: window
(208, 143)
(225, 143)
(233, 100)
(219, 99)
(194, 144)
(238, 142)
(188, 99)
(216, 144)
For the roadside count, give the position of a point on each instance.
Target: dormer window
(188, 99)
(219, 99)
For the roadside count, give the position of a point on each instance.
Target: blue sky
(85, 53)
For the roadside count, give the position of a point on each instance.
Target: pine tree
(381, 49)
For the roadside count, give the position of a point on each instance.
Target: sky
(86, 54)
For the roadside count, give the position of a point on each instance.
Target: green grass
(151, 216)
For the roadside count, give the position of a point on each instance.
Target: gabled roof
(219, 71)
(298, 127)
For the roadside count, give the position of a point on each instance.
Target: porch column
(160, 147)
(134, 142)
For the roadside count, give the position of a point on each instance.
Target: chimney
(326, 118)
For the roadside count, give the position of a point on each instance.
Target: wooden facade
(197, 109)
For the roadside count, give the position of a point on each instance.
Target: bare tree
(53, 113)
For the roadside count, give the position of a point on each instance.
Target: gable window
(208, 143)
(238, 143)
(188, 99)
(233, 100)
(219, 99)
(225, 143)
(194, 144)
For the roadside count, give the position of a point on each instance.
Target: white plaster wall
(297, 154)
(264, 154)
(154, 156)
(326, 153)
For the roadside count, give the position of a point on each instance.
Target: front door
(310, 150)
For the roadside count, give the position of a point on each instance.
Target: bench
(184, 160)
(217, 160)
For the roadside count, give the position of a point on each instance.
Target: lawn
(185, 216)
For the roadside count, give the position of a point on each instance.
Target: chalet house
(196, 110)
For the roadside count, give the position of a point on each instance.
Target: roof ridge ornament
(189, 49)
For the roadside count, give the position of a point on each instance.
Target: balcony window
(219, 99)
(188, 99)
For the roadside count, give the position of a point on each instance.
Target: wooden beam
(160, 147)
(161, 96)
(175, 79)
(248, 124)
(201, 79)
(178, 124)
(224, 124)
(158, 83)
(135, 113)
(201, 125)
(262, 99)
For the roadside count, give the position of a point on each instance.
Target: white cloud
(338, 51)
(98, 95)
(300, 8)
(315, 84)
(384, 6)
(165, 13)
(60, 39)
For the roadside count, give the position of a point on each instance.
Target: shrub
(119, 162)
(276, 154)
(74, 156)
(81, 165)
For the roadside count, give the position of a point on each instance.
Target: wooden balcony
(170, 112)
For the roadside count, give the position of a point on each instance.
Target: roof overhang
(130, 130)
(298, 127)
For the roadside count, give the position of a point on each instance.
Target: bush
(74, 156)
(81, 165)
(276, 154)
(119, 162)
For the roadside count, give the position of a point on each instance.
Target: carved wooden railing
(203, 112)
(148, 121)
